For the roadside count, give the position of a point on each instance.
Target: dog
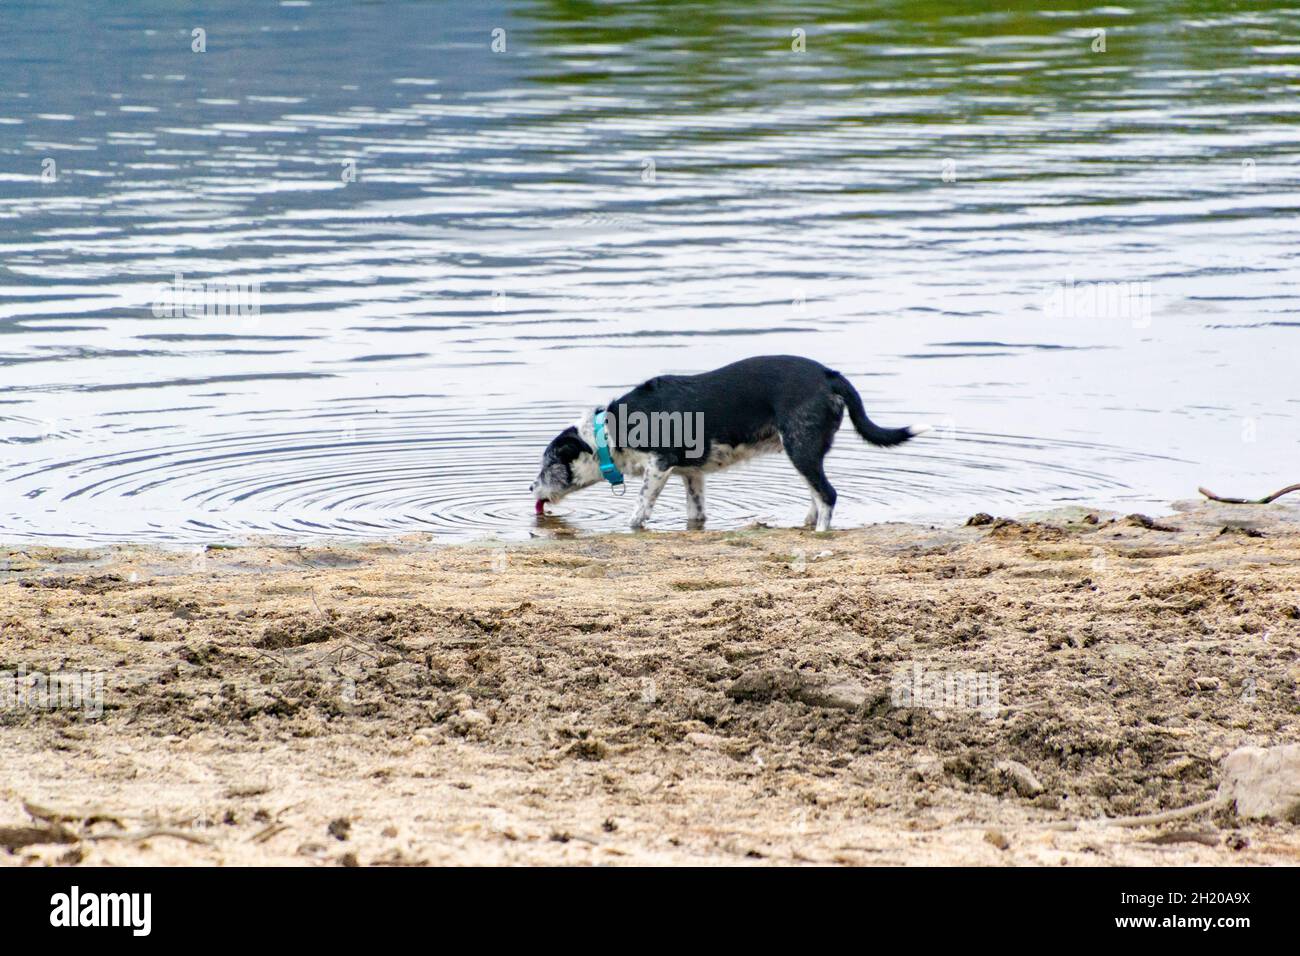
(693, 425)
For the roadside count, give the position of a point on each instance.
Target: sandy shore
(715, 697)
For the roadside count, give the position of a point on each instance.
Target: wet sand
(668, 697)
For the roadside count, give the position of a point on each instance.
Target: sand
(659, 698)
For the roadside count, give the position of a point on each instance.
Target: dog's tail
(865, 426)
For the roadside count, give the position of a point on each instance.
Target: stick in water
(1249, 501)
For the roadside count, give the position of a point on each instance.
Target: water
(902, 200)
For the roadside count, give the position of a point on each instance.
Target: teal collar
(608, 470)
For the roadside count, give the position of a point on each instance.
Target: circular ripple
(451, 474)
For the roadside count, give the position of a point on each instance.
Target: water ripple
(456, 250)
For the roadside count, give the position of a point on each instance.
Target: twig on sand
(261, 836)
(51, 815)
(348, 634)
(1163, 817)
(1249, 501)
(149, 834)
(56, 819)
(1145, 820)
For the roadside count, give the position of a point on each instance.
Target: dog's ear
(569, 445)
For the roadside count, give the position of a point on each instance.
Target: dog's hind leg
(806, 454)
(656, 476)
(694, 482)
(810, 519)
(822, 506)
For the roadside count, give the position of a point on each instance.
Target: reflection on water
(1079, 264)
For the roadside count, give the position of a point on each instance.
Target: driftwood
(1249, 501)
(55, 831)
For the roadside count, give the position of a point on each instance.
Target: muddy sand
(895, 694)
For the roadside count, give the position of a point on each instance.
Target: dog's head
(568, 464)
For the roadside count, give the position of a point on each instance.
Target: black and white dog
(695, 424)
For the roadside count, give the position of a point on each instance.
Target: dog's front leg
(694, 482)
(656, 476)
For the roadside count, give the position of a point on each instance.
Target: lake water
(1080, 264)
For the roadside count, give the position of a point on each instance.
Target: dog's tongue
(541, 507)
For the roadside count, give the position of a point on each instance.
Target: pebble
(1264, 782)
(1020, 777)
(997, 838)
